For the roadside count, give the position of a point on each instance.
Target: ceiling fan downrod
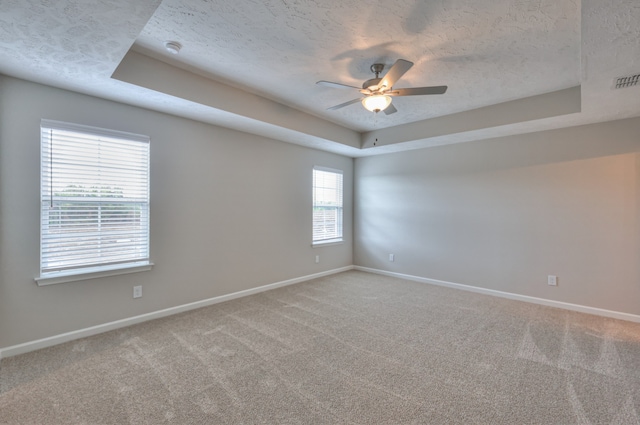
(377, 68)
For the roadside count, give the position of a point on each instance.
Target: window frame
(339, 238)
(139, 260)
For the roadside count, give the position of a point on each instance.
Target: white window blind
(327, 205)
(94, 199)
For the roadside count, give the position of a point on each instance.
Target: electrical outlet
(317, 258)
(552, 280)
(137, 291)
(392, 257)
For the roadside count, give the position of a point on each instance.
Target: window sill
(92, 273)
(329, 242)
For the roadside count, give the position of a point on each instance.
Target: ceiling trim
(557, 103)
(244, 111)
(235, 108)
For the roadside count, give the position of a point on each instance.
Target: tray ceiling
(266, 55)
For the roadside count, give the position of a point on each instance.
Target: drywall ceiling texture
(610, 49)
(73, 43)
(487, 52)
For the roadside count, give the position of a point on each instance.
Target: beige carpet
(352, 348)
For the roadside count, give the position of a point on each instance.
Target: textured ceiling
(70, 43)
(487, 52)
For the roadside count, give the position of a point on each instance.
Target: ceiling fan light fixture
(376, 102)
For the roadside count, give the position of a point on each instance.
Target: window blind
(327, 205)
(94, 198)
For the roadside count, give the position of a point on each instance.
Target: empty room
(319, 212)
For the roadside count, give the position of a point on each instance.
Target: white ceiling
(252, 64)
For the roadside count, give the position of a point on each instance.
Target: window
(94, 201)
(327, 205)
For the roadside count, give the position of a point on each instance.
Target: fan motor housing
(371, 82)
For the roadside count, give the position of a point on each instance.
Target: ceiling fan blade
(390, 109)
(342, 105)
(336, 85)
(413, 91)
(395, 72)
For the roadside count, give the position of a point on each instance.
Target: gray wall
(503, 214)
(229, 211)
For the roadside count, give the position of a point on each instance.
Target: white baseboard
(509, 295)
(94, 330)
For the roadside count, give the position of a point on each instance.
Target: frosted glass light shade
(377, 102)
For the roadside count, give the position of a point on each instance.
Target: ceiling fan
(379, 90)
